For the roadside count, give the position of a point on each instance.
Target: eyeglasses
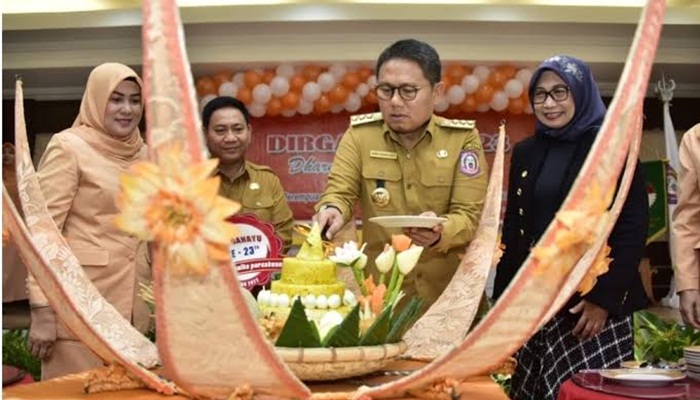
(406, 92)
(559, 93)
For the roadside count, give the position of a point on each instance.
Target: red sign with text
(300, 149)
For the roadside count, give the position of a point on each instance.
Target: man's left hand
(425, 236)
(592, 320)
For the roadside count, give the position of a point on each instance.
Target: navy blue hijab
(590, 110)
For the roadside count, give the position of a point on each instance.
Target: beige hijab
(89, 124)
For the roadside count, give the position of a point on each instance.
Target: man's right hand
(690, 307)
(329, 220)
(42, 332)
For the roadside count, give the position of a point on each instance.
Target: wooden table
(71, 388)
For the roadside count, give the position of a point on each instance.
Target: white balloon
(455, 94)
(305, 107)
(372, 80)
(239, 78)
(337, 108)
(279, 86)
(470, 83)
(262, 93)
(442, 104)
(338, 71)
(353, 103)
(311, 91)
(513, 88)
(285, 70)
(257, 109)
(362, 89)
(327, 81)
(499, 101)
(524, 76)
(228, 89)
(206, 99)
(482, 72)
(288, 113)
(482, 107)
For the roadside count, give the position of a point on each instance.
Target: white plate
(644, 377)
(407, 221)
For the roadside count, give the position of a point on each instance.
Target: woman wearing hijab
(594, 330)
(79, 176)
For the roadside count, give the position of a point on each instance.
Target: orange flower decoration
(179, 207)
(375, 296)
(400, 242)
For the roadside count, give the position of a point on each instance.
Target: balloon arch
(290, 90)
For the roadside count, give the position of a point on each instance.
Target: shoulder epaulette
(365, 118)
(259, 167)
(457, 123)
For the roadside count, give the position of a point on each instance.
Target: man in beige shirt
(686, 228)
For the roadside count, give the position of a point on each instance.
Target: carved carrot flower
(179, 207)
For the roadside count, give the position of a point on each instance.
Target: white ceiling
(54, 52)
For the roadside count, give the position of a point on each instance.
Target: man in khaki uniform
(407, 161)
(228, 132)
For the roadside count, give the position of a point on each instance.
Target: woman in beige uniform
(79, 176)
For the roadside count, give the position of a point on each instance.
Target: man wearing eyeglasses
(407, 161)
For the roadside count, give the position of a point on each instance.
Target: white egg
(283, 301)
(310, 301)
(349, 298)
(321, 302)
(274, 298)
(334, 301)
(331, 318)
(264, 297)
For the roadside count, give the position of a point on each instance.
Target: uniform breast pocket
(94, 260)
(382, 181)
(437, 187)
(260, 205)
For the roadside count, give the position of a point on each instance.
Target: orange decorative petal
(400, 242)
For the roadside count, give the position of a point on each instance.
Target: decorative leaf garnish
(405, 319)
(347, 333)
(298, 331)
(378, 332)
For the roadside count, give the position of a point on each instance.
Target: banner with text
(300, 149)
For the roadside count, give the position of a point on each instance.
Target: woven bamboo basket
(326, 364)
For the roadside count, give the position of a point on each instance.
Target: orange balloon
(322, 105)
(221, 77)
(245, 95)
(267, 76)
(364, 73)
(455, 73)
(469, 104)
(516, 105)
(206, 85)
(296, 83)
(338, 94)
(371, 97)
(252, 78)
(508, 70)
(497, 79)
(351, 80)
(484, 93)
(274, 107)
(453, 111)
(311, 72)
(290, 100)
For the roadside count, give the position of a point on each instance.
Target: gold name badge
(381, 197)
(389, 155)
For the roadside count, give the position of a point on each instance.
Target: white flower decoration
(385, 260)
(348, 253)
(408, 259)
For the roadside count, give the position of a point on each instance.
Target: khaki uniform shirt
(446, 172)
(686, 217)
(260, 192)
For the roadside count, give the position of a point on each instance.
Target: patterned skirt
(553, 355)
